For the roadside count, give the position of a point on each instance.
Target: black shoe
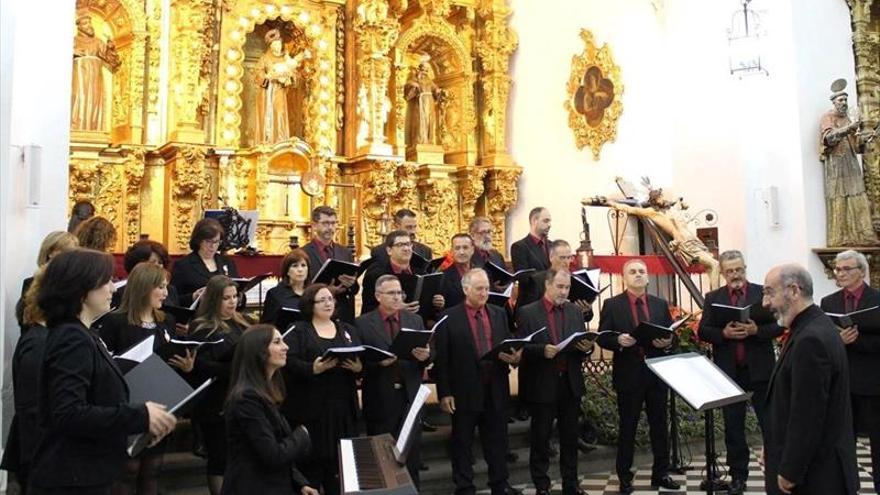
(428, 427)
(626, 486)
(585, 447)
(737, 486)
(423, 467)
(511, 457)
(579, 491)
(665, 482)
(542, 491)
(512, 491)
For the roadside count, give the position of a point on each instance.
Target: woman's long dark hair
(249, 366)
(208, 311)
(69, 278)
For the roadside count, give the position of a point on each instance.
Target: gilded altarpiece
(279, 106)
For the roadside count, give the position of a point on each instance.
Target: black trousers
(653, 394)
(492, 422)
(735, 423)
(392, 424)
(565, 410)
(70, 490)
(866, 419)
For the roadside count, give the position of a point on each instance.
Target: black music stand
(705, 388)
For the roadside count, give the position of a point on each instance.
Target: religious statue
(848, 221)
(684, 242)
(421, 116)
(90, 56)
(276, 72)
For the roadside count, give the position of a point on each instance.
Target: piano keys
(369, 465)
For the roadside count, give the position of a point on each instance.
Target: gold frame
(594, 136)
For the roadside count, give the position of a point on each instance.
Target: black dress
(119, 335)
(262, 448)
(189, 274)
(326, 404)
(213, 361)
(280, 296)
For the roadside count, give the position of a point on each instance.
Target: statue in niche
(421, 114)
(90, 56)
(276, 72)
(848, 221)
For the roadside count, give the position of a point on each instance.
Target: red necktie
(328, 252)
(850, 305)
(392, 326)
(556, 327)
(484, 344)
(740, 345)
(642, 314)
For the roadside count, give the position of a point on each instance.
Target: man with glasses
(390, 386)
(862, 348)
(808, 443)
(744, 351)
(322, 247)
(399, 248)
(481, 232)
(407, 221)
(532, 287)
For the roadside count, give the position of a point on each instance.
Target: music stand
(705, 388)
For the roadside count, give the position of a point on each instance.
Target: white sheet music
(139, 352)
(406, 429)
(695, 379)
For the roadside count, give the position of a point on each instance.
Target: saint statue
(421, 116)
(848, 212)
(90, 56)
(276, 72)
(683, 242)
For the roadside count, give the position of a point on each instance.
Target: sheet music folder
(697, 380)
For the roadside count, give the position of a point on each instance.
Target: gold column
(189, 47)
(866, 45)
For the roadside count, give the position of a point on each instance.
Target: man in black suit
(745, 352)
(481, 232)
(808, 443)
(533, 250)
(634, 383)
(322, 247)
(390, 386)
(473, 390)
(407, 221)
(862, 348)
(532, 286)
(462, 257)
(552, 383)
(399, 250)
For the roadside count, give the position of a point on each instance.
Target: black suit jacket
(458, 366)
(262, 448)
(344, 301)
(537, 374)
(27, 369)
(378, 385)
(189, 274)
(760, 356)
(368, 295)
(453, 294)
(809, 418)
(379, 253)
(85, 412)
(477, 260)
(863, 354)
(629, 370)
(525, 254)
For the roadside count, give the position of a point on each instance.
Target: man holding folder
(390, 386)
(634, 383)
(551, 381)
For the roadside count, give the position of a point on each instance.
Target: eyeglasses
(402, 244)
(484, 232)
(213, 242)
(392, 293)
(731, 271)
(845, 269)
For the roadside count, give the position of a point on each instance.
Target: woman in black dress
(294, 269)
(216, 320)
(262, 446)
(83, 397)
(323, 393)
(139, 316)
(190, 274)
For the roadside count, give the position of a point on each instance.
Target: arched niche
(124, 23)
(437, 41)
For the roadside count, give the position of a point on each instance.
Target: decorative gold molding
(501, 196)
(866, 45)
(594, 95)
(497, 42)
(189, 178)
(134, 168)
(439, 199)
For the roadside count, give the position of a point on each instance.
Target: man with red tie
(862, 348)
(399, 247)
(390, 386)
(744, 351)
(634, 383)
(481, 232)
(322, 247)
(475, 391)
(533, 250)
(551, 382)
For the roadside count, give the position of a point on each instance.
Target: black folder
(287, 317)
(722, 314)
(646, 332)
(583, 287)
(365, 352)
(178, 347)
(153, 380)
(137, 443)
(333, 269)
(569, 344)
(511, 345)
(421, 288)
(247, 283)
(408, 339)
(420, 264)
(364, 265)
(501, 276)
(868, 319)
(501, 298)
(181, 315)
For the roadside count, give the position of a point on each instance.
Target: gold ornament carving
(189, 178)
(497, 42)
(501, 196)
(190, 44)
(83, 175)
(108, 195)
(439, 199)
(594, 96)
(376, 32)
(379, 187)
(866, 45)
(471, 187)
(134, 175)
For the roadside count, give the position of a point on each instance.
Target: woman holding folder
(294, 270)
(323, 394)
(190, 274)
(221, 326)
(263, 448)
(83, 396)
(139, 317)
